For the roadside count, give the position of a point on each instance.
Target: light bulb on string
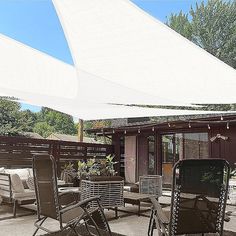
(125, 132)
(227, 126)
(113, 131)
(139, 131)
(153, 129)
(169, 125)
(189, 125)
(208, 126)
(221, 118)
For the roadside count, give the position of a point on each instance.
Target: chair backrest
(45, 180)
(199, 194)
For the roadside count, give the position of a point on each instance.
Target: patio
(131, 225)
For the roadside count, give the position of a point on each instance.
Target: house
(147, 147)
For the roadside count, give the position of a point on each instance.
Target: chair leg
(35, 232)
(151, 224)
(14, 208)
(94, 223)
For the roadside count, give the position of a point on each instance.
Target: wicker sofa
(16, 187)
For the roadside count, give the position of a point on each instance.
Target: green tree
(50, 121)
(28, 119)
(10, 123)
(212, 27)
(44, 129)
(180, 23)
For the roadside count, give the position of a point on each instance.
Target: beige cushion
(2, 170)
(26, 194)
(30, 170)
(16, 183)
(23, 173)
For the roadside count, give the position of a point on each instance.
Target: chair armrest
(80, 204)
(160, 213)
(65, 193)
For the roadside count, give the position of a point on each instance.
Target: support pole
(80, 130)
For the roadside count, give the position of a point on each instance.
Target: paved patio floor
(128, 225)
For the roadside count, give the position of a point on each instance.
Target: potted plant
(98, 178)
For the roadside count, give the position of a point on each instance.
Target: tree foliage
(13, 121)
(44, 129)
(212, 26)
(180, 23)
(10, 117)
(50, 121)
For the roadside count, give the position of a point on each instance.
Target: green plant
(91, 167)
(68, 173)
(110, 164)
(82, 166)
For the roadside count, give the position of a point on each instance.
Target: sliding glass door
(181, 146)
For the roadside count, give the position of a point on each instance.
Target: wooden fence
(18, 151)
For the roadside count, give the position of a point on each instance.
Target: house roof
(33, 135)
(71, 138)
(183, 122)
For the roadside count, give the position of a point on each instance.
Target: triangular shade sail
(91, 111)
(25, 69)
(38, 79)
(117, 41)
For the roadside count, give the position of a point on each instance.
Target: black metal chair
(199, 194)
(63, 207)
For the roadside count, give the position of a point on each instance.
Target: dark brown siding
(221, 148)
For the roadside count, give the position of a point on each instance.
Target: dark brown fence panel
(18, 151)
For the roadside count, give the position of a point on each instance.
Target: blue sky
(35, 23)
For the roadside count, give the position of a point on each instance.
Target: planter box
(110, 189)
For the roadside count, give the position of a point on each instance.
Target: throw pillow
(30, 183)
(17, 184)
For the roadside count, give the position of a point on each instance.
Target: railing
(18, 151)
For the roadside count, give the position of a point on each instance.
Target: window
(196, 145)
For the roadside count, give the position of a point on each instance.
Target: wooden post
(80, 130)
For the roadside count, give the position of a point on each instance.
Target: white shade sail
(92, 111)
(122, 56)
(38, 79)
(117, 41)
(28, 70)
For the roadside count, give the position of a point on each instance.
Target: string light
(113, 131)
(189, 125)
(125, 132)
(221, 118)
(208, 126)
(227, 126)
(139, 131)
(153, 129)
(169, 125)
